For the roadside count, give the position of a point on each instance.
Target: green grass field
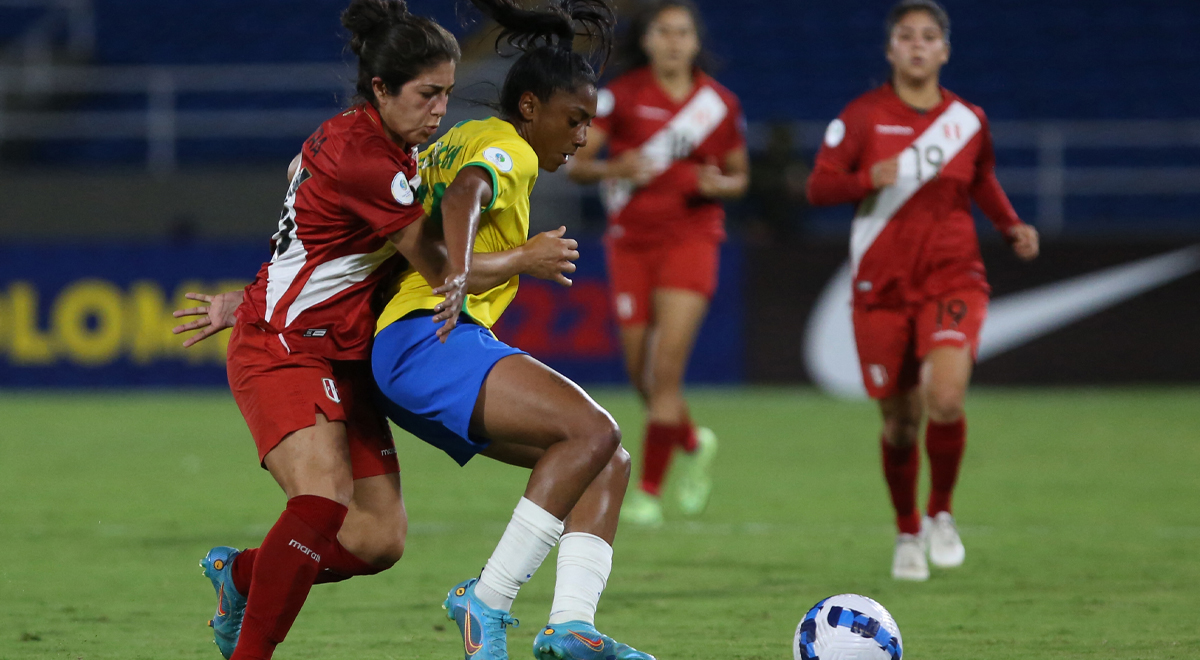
(1080, 510)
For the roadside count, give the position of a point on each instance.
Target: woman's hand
(710, 180)
(884, 173)
(215, 317)
(1025, 242)
(447, 311)
(550, 255)
(633, 166)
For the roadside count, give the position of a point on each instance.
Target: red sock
(944, 443)
(900, 469)
(661, 440)
(284, 569)
(688, 440)
(242, 570)
(336, 565)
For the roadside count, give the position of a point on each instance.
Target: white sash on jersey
(920, 163)
(688, 129)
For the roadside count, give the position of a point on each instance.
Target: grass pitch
(1079, 510)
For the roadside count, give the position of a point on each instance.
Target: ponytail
(546, 39)
(393, 45)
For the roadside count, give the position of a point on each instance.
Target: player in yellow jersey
(472, 394)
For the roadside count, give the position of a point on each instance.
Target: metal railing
(36, 45)
(1051, 180)
(161, 124)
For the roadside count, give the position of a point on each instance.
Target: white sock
(584, 563)
(523, 547)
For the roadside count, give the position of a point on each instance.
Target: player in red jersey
(676, 148)
(912, 155)
(298, 354)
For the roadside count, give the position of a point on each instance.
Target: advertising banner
(1084, 312)
(100, 315)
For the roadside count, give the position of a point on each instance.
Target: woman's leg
(901, 461)
(532, 409)
(901, 468)
(678, 315)
(945, 375)
(532, 415)
(312, 466)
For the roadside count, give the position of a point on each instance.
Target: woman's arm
(729, 182)
(587, 167)
(546, 256)
(444, 258)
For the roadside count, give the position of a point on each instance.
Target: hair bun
(364, 18)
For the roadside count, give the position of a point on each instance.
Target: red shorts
(280, 393)
(635, 272)
(892, 342)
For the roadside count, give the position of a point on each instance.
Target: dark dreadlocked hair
(546, 39)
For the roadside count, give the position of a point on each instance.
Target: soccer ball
(847, 627)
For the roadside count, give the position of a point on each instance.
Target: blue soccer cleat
(227, 622)
(483, 628)
(579, 640)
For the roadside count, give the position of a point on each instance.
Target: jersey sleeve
(510, 164)
(606, 109)
(733, 133)
(839, 176)
(377, 185)
(986, 190)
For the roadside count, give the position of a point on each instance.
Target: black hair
(393, 44)
(546, 40)
(630, 54)
(931, 7)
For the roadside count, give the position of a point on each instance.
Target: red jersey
(915, 239)
(353, 188)
(675, 137)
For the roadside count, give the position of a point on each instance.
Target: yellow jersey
(493, 145)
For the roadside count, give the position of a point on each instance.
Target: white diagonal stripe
(875, 212)
(335, 276)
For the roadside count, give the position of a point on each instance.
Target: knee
(384, 548)
(944, 402)
(621, 464)
(388, 553)
(901, 431)
(603, 437)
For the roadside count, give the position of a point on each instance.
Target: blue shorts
(430, 387)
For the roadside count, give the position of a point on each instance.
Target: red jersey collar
(947, 99)
(699, 80)
(373, 114)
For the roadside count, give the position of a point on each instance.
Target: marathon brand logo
(302, 548)
(316, 332)
(885, 129)
(387, 452)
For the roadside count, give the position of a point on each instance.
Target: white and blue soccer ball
(847, 627)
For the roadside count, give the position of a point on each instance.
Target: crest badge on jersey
(498, 157)
(401, 189)
(331, 390)
(835, 133)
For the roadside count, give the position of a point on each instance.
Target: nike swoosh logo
(221, 601)
(471, 647)
(1012, 321)
(595, 644)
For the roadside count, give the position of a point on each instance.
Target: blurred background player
(476, 395)
(911, 155)
(676, 148)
